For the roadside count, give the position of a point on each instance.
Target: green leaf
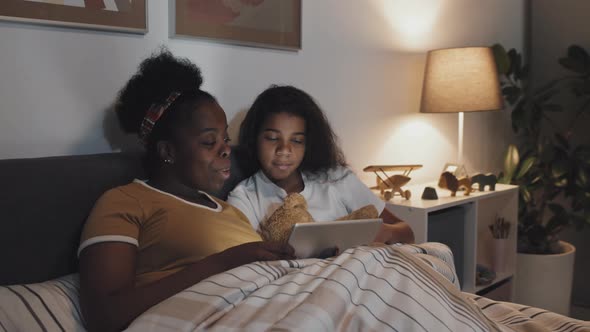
(513, 57)
(556, 209)
(536, 179)
(516, 67)
(511, 161)
(559, 168)
(525, 167)
(512, 93)
(557, 223)
(504, 180)
(561, 183)
(572, 65)
(581, 178)
(501, 58)
(577, 60)
(526, 194)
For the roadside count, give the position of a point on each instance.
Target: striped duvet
(392, 288)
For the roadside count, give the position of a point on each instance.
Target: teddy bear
(278, 226)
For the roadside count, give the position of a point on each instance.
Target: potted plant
(550, 165)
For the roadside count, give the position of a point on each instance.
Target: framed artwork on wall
(262, 23)
(113, 15)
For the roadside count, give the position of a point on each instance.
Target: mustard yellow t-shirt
(169, 232)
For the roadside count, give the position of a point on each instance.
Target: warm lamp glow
(411, 139)
(461, 80)
(412, 21)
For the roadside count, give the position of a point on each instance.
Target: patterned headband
(152, 116)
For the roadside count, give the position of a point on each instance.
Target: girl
(287, 146)
(148, 240)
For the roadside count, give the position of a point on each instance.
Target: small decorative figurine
(390, 185)
(429, 193)
(483, 180)
(450, 182)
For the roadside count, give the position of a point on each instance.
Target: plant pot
(500, 252)
(545, 281)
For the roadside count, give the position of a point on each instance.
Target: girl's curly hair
(321, 149)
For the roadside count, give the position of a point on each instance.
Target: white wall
(362, 60)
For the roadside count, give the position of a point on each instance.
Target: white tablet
(311, 239)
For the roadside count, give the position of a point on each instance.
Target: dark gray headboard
(44, 203)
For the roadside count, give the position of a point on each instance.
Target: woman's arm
(394, 229)
(109, 298)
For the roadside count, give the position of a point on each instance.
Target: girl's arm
(111, 301)
(394, 230)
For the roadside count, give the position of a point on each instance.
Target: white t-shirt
(328, 197)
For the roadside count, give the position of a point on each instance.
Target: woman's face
(202, 149)
(281, 146)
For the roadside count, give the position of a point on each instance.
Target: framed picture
(263, 23)
(115, 15)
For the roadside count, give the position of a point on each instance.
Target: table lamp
(458, 80)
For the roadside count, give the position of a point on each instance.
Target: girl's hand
(394, 233)
(257, 251)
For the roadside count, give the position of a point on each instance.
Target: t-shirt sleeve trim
(107, 238)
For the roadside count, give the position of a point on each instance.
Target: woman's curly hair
(321, 149)
(157, 77)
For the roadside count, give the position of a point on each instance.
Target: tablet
(311, 239)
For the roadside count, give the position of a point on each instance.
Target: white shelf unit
(466, 231)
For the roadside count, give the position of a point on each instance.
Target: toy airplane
(390, 185)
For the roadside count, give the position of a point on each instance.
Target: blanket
(393, 288)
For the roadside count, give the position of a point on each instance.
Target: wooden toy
(483, 180)
(450, 182)
(390, 185)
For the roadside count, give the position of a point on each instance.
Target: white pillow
(48, 306)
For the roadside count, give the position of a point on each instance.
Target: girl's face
(281, 147)
(202, 149)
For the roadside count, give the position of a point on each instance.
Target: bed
(398, 288)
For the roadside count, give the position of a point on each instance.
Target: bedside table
(462, 222)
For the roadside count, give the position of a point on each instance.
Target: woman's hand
(257, 251)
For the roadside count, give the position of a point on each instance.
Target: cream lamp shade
(458, 80)
(461, 80)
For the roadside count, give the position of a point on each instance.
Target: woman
(148, 240)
